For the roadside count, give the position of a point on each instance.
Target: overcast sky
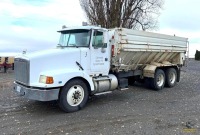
(32, 24)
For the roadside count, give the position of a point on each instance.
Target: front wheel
(73, 96)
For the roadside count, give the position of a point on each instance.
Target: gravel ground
(138, 111)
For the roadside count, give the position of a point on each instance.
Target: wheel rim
(75, 95)
(172, 77)
(160, 80)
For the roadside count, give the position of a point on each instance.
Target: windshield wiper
(69, 45)
(72, 45)
(60, 45)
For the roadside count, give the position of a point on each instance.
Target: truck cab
(75, 69)
(93, 45)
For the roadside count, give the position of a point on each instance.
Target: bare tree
(135, 14)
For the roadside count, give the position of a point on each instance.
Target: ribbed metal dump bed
(135, 49)
(132, 40)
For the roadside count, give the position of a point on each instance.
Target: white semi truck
(93, 60)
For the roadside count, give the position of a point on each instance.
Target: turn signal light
(113, 50)
(49, 80)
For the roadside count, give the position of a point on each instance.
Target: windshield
(76, 38)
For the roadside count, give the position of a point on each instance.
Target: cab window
(97, 39)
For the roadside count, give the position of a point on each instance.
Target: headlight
(46, 79)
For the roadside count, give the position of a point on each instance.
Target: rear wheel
(73, 96)
(171, 77)
(131, 81)
(158, 82)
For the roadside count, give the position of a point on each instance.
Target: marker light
(113, 50)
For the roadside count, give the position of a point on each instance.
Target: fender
(61, 77)
(149, 69)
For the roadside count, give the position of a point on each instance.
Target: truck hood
(50, 53)
(51, 60)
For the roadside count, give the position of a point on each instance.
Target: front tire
(171, 77)
(73, 96)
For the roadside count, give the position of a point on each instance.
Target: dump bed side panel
(147, 41)
(135, 49)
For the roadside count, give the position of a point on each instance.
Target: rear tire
(158, 82)
(131, 81)
(73, 96)
(171, 77)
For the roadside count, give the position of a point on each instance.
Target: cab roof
(82, 27)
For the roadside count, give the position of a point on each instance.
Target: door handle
(106, 59)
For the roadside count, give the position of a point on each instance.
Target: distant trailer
(7, 62)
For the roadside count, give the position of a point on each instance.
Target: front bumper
(36, 94)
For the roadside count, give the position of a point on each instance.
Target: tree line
(197, 55)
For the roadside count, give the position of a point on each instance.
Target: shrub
(197, 55)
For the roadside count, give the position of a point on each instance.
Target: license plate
(18, 88)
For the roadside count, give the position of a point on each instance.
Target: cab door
(100, 55)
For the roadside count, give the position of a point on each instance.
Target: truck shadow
(94, 102)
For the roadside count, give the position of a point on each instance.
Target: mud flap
(178, 75)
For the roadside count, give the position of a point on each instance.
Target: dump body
(135, 49)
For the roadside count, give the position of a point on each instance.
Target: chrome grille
(22, 67)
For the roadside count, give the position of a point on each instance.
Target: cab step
(122, 89)
(103, 93)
